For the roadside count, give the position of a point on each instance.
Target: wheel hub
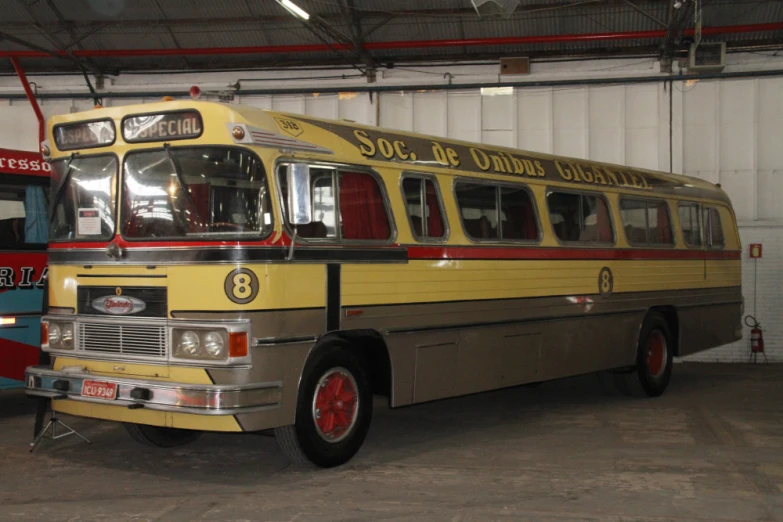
(655, 349)
(335, 404)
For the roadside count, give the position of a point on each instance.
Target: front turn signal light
(237, 344)
(44, 333)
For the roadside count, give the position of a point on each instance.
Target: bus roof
(350, 142)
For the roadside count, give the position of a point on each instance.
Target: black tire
(651, 375)
(303, 442)
(161, 437)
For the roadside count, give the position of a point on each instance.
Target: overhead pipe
(411, 44)
(30, 96)
(401, 88)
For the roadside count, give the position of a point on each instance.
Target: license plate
(99, 389)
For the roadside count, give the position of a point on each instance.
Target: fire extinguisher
(756, 337)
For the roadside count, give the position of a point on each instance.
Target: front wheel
(333, 410)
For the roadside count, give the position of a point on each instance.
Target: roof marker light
(294, 9)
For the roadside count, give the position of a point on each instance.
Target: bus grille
(123, 339)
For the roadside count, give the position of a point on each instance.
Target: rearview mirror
(300, 208)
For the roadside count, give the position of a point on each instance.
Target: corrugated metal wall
(728, 131)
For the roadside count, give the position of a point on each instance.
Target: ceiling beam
(357, 37)
(334, 60)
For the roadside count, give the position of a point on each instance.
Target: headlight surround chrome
(57, 335)
(205, 344)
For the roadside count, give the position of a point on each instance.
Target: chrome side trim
(266, 138)
(203, 399)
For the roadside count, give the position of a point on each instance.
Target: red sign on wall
(23, 162)
(755, 250)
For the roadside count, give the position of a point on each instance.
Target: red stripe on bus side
(523, 253)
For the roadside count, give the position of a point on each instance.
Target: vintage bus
(24, 193)
(216, 267)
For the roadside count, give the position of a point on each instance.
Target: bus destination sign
(178, 125)
(84, 135)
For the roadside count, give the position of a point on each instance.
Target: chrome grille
(123, 339)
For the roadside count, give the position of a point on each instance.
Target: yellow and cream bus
(224, 268)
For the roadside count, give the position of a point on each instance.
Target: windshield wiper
(182, 184)
(61, 187)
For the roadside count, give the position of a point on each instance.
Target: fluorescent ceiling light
(496, 91)
(294, 9)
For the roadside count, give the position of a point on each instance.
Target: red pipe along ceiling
(412, 44)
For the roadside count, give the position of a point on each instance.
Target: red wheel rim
(335, 404)
(656, 354)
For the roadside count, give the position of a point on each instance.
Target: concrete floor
(710, 449)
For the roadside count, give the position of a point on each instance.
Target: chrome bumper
(201, 399)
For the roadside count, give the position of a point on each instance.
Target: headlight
(189, 343)
(54, 334)
(213, 344)
(57, 335)
(200, 344)
(66, 332)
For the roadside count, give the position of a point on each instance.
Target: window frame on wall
(499, 186)
(699, 214)
(648, 201)
(438, 195)
(582, 194)
(279, 171)
(708, 210)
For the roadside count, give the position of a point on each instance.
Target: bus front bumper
(200, 399)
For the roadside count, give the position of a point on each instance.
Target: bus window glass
(478, 209)
(518, 215)
(362, 208)
(23, 219)
(689, 221)
(84, 188)
(420, 193)
(580, 217)
(646, 221)
(716, 229)
(210, 192)
(634, 216)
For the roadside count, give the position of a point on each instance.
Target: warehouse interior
(690, 87)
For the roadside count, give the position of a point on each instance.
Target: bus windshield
(84, 188)
(214, 191)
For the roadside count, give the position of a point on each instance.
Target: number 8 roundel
(241, 286)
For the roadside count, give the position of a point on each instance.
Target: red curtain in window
(362, 209)
(604, 226)
(434, 219)
(664, 228)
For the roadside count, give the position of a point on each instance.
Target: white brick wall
(763, 299)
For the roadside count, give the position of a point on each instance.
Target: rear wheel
(333, 413)
(654, 359)
(160, 436)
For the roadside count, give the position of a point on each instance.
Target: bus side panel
(20, 342)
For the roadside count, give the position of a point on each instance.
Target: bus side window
(580, 217)
(346, 205)
(714, 227)
(422, 203)
(689, 222)
(646, 221)
(478, 209)
(23, 216)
